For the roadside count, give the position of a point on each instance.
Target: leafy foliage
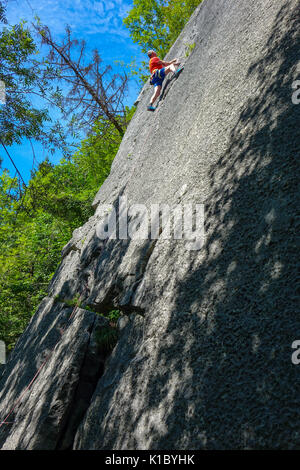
(156, 24)
(189, 49)
(34, 228)
(2, 13)
(24, 79)
(147, 24)
(114, 315)
(106, 338)
(30, 250)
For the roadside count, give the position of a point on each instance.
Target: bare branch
(93, 92)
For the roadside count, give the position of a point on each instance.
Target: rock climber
(159, 69)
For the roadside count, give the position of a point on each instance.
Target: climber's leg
(170, 68)
(156, 94)
(157, 90)
(157, 82)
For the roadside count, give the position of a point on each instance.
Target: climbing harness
(152, 77)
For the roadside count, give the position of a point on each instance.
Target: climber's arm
(164, 63)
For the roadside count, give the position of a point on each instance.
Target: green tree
(30, 249)
(35, 227)
(2, 12)
(23, 80)
(156, 24)
(147, 24)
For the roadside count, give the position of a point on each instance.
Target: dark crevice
(107, 305)
(147, 256)
(93, 363)
(128, 309)
(104, 308)
(91, 371)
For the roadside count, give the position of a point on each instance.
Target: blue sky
(99, 23)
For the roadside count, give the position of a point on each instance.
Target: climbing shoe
(178, 71)
(151, 108)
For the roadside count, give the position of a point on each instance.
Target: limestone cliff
(203, 359)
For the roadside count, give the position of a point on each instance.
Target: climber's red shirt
(154, 64)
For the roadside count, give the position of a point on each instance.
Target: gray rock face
(203, 359)
(46, 415)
